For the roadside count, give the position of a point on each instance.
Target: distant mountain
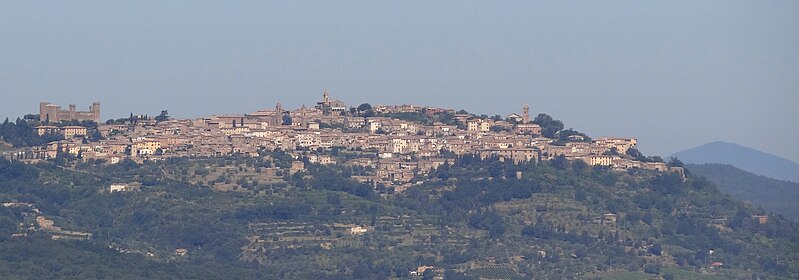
(748, 159)
(774, 195)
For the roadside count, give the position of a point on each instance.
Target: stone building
(53, 113)
(518, 155)
(330, 107)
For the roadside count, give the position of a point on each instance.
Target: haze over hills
(771, 194)
(745, 158)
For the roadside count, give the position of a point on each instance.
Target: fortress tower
(53, 113)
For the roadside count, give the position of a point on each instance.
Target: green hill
(471, 218)
(777, 196)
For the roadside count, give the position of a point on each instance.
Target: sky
(674, 74)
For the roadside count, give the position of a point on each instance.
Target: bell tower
(525, 113)
(278, 120)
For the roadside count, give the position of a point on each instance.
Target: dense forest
(469, 218)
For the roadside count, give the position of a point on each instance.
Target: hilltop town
(479, 141)
(333, 191)
(394, 142)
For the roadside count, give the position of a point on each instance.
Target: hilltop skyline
(672, 75)
(267, 107)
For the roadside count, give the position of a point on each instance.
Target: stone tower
(303, 121)
(49, 112)
(72, 111)
(278, 114)
(525, 113)
(94, 110)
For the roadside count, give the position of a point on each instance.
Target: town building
(118, 188)
(518, 155)
(330, 107)
(391, 150)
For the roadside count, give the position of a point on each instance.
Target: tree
(656, 249)
(491, 221)
(94, 135)
(635, 154)
(164, 116)
(655, 159)
(675, 162)
(652, 268)
(580, 166)
(364, 107)
(570, 135)
(442, 172)
(286, 120)
(560, 162)
(549, 126)
(333, 199)
(668, 183)
(497, 128)
(428, 274)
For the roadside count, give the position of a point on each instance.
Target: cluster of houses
(396, 149)
(33, 221)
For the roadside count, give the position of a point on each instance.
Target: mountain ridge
(745, 158)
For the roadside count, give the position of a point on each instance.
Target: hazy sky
(673, 74)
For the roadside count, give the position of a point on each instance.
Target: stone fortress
(53, 113)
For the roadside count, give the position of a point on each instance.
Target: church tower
(525, 113)
(278, 120)
(326, 97)
(303, 121)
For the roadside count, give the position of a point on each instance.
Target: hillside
(470, 218)
(773, 195)
(745, 158)
(38, 257)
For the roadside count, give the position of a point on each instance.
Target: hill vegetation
(777, 196)
(471, 218)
